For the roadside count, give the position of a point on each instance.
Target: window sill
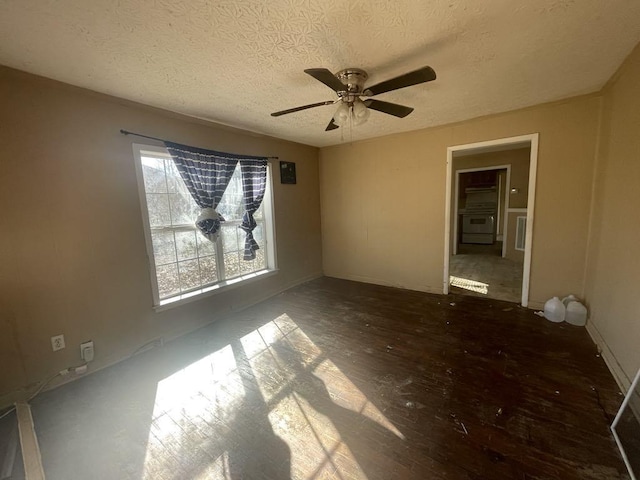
(196, 295)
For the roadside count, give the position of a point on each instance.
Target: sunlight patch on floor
(219, 469)
(269, 404)
(468, 284)
(308, 391)
(187, 402)
(338, 384)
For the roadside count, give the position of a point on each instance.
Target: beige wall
(72, 249)
(383, 200)
(613, 270)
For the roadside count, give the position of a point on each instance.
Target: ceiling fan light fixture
(360, 112)
(341, 116)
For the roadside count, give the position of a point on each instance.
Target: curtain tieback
(248, 222)
(209, 223)
(250, 245)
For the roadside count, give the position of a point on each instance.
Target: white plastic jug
(576, 314)
(554, 310)
(569, 298)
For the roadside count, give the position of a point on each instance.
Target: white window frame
(221, 286)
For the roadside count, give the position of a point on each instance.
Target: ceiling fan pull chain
(351, 124)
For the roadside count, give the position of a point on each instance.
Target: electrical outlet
(86, 351)
(57, 342)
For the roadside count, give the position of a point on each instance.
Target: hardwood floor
(340, 380)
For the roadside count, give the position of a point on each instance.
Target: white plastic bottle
(554, 310)
(569, 298)
(576, 314)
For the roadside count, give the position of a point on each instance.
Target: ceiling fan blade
(422, 75)
(331, 126)
(325, 76)
(304, 107)
(391, 108)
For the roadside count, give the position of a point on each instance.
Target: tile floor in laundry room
(480, 270)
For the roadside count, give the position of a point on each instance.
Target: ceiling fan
(349, 85)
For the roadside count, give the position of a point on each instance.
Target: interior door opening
(490, 200)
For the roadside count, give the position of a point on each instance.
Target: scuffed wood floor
(341, 380)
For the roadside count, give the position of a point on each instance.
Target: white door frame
(488, 146)
(506, 203)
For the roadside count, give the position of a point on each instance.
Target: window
(183, 262)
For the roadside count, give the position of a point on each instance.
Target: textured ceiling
(234, 62)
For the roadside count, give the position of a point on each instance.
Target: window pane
(253, 265)
(168, 284)
(231, 205)
(182, 209)
(205, 246)
(261, 260)
(235, 185)
(186, 245)
(158, 205)
(153, 173)
(208, 271)
(258, 234)
(231, 265)
(259, 214)
(189, 274)
(164, 247)
(174, 180)
(230, 238)
(247, 266)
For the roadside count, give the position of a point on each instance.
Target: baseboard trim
(29, 443)
(534, 305)
(377, 281)
(609, 358)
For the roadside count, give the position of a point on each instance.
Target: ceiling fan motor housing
(353, 79)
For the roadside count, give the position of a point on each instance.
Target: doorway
(489, 218)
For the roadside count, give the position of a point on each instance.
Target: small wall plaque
(287, 172)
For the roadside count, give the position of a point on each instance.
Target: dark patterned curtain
(206, 174)
(254, 184)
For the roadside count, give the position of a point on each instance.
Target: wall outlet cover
(86, 351)
(57, 342)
